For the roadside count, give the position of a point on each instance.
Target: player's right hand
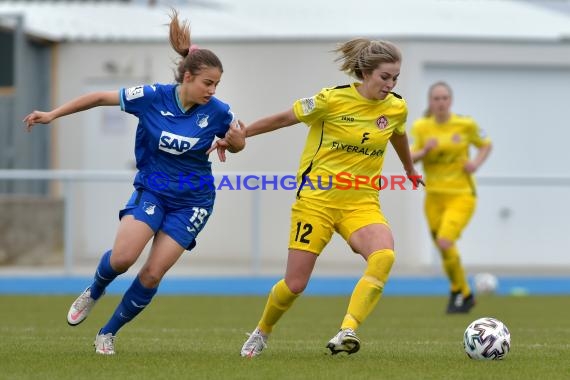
(37, 117)
(430, 144)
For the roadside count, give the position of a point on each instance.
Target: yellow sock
(369, 288)
(279, 301)
(455, 272)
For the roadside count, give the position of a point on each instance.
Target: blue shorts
(181, 224)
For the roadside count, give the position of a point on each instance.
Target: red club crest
(382, 122)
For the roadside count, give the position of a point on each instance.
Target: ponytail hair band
(192, 48)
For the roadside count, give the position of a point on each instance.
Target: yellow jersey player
(441, 140)
(349, 129)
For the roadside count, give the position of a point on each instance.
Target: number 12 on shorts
(303, 231)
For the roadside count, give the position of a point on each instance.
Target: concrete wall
(260, 79)
(31, 230)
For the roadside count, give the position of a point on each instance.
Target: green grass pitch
(199, 337)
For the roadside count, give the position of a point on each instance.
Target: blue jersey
(171, 143)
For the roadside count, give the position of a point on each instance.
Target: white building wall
(261, 78)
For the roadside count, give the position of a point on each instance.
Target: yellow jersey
(444, 165)
(344, 152)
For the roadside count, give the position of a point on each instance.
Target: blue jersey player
(174, 193)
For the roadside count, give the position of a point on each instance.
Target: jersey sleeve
(228, 120)
(135, 100)
(477, 136)
(310, 110)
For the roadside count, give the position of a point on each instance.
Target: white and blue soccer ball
(487, 339)
(486, 283)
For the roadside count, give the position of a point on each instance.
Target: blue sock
(104, 275)
(136, 298)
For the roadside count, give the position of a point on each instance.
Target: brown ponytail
(193, 60)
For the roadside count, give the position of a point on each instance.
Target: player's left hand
(235, 136)
(415, 178)
(234, 141)
(470, 167)
(220, 146)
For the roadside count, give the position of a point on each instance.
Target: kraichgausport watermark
(342, 181)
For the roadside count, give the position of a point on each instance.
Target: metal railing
(70, 178)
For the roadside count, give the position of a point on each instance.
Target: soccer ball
(487, 339)
(486, 283)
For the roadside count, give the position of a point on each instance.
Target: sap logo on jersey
(176, 144)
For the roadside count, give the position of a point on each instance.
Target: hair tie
(192, 48)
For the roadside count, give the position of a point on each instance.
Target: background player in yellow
(441, 140)
(349, 129)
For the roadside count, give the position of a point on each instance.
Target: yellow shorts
(448, 214)
(312, 225)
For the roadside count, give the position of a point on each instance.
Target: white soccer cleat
(254, 344)
(105, 344)
(80, 308)
(344, 341)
